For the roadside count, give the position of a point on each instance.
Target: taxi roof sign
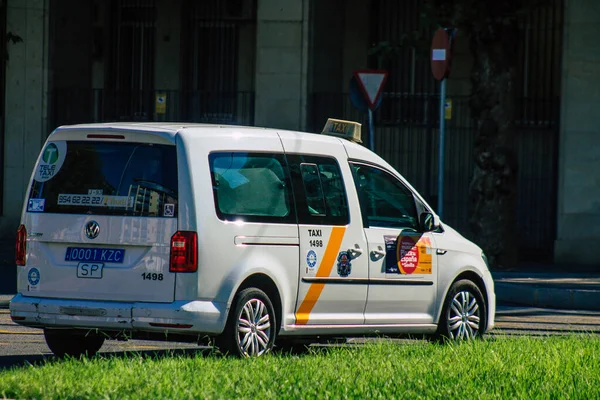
(345, 129)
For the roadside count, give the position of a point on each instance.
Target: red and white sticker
(414, 255)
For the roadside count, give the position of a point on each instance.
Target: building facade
(287, 64)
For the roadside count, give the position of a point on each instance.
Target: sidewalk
(571, 289)
(5, 300)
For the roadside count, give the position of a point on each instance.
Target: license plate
(95, 255)
(90, 270)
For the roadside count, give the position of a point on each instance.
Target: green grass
(554, 367)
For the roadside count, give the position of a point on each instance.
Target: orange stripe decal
(329, 258)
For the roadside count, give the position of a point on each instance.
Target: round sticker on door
(408, 254)
(52, 159)
(33, 276)
(311, 259)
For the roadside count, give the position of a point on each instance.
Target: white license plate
(90, 270)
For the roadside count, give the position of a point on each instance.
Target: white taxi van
(252, 237)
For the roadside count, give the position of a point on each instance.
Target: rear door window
(252, 187)
(320, 190)
(106, 178)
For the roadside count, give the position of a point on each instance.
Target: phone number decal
(94, 200)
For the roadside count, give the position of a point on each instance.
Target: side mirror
(427, 222)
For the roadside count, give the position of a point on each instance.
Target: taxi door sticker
(325, 263)
(408, 254)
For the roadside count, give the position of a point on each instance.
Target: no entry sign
(441, 55)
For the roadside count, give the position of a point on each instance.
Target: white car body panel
(399, 298)
(146, 242)
(336, 303)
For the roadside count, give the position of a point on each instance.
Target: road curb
(5, 300)
(545, 296)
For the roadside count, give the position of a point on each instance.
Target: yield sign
(371, 82)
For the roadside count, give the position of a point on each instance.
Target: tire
(251, 326)
(464, 315)
(65, 343)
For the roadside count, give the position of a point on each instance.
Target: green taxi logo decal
(53, 157)
(50, 155)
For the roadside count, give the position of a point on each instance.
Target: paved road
(542, 321)
(20, 345)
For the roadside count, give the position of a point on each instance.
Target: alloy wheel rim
(463, 316)
(254, 328)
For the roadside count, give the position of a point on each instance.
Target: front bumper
(489, 286)
(186, 317)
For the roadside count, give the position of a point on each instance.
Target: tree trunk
(494, 184)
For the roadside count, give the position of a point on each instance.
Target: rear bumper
(186, 317)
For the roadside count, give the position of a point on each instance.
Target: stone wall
(26, 103)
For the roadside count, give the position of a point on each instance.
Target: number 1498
(147, 276)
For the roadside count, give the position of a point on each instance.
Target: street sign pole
(371, 131)
(442, 147)
(370, 83)
(441, 57)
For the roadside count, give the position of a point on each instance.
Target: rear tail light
(184, 252)
(21, 245)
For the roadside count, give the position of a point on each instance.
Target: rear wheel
(464, 314)
(251, 325)
(66, 343)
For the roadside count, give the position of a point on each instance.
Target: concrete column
(579, 164)
(281, 65)
(26, 103)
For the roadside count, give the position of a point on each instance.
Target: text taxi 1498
(253, 237)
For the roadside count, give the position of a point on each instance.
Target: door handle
(353, 253)
(377, 254)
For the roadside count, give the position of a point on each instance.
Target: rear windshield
(106, 178)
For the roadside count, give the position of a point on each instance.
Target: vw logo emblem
(92, 229)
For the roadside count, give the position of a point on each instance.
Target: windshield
(106, 178)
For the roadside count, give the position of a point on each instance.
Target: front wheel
(251, 325)
(65, 343)
(464, 313)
